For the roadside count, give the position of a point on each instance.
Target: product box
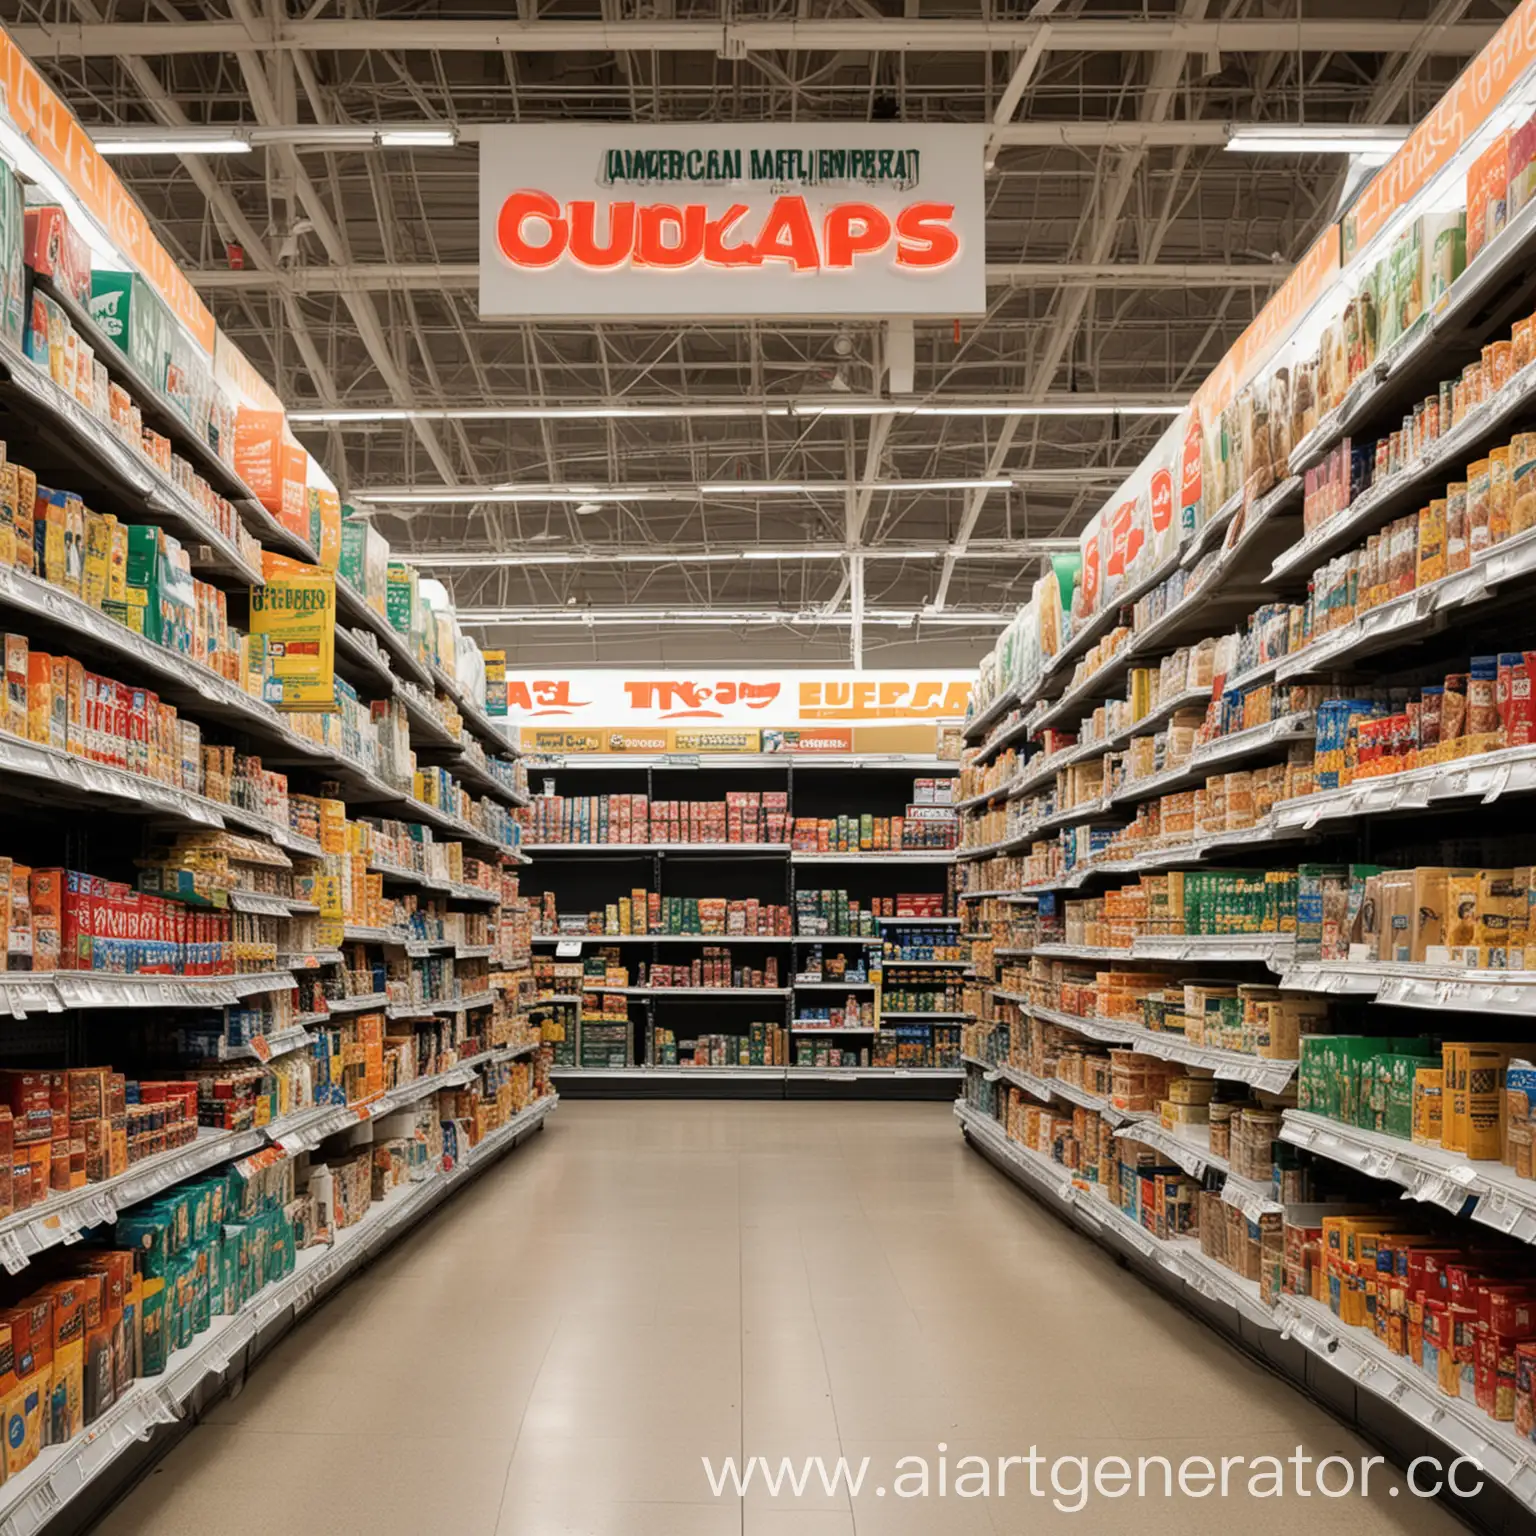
(1487, 195)
(404, 599)
(133, 315)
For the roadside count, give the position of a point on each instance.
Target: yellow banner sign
(717, 741)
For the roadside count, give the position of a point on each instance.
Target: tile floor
(646, 1284)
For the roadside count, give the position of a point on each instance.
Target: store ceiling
(1124, 256)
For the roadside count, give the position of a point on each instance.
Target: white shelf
(688, 991)
(667, 938)
(1190, 1148)
(360, 1004)
(889, 1017)
(30, 1499)
(1361, 1360)
(873, 1074)
(434, 1009)
(62, 1217)
(881, 856)
(1272, 1075)
(712, 850)
(833, 986)
(1429, 1174)
(1180, 1258)
(1417, 986)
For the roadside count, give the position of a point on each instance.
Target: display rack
(204, 986)
(815, 1038)
(1209, 728)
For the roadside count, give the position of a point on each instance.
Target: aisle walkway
(646, 1284)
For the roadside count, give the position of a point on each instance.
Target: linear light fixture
(479, 559)
(607, 494)
(686, 409)
(112, 141)
(191, 139)
(1372, 142)
(836, 487)
(485, 618)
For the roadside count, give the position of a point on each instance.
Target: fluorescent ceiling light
(599, 495)
(418, 138)
(838, 487)
(702, 410)
(483, 618)
(1369, 140)
(485, 559)
(163, 143)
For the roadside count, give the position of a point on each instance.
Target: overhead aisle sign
(756, 220)
(599, 697)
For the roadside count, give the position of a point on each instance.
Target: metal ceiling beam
(737, 40)
(380, 277)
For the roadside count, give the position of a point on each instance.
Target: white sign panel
(638, 697)
(754, 220)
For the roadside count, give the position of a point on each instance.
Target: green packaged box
(13, 275)
(131, 314)
(404, 599)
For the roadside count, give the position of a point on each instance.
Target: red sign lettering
(534, 230)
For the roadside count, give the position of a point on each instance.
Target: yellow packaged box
(1428, 1098)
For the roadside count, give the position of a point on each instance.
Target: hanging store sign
(613, 698)
(753, 220)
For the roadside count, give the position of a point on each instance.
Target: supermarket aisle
(646, 1284)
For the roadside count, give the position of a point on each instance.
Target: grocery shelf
(812, 1027)
(702, 850)
(666, 938)
(1097, 624)
(1429, 1174)
(688, 991)
(882, 856)
(63, 1216)
(353, 609)
(311, 960)
(1361, 1360)
(1211, 755)
(429, 1009)
(1400, 374)
(1180, 1258)
(1001, 738)
(873, 1074)
(889, 963)
(1394, 494)
(1269, 1073)
(362, 933)
(1189, 1148)
(49, 991)
(975, 728)
(360, 1004)
(49, 429)
(31, 1498)
(891, 1016)
(847, 938)
(921, 922)
(158, 412)
(1047, 1088)
(1211, 532)
(833, 986)
(1418, 986)
(267, 906)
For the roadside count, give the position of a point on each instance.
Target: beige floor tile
(797, 1522)
(647, 1284)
